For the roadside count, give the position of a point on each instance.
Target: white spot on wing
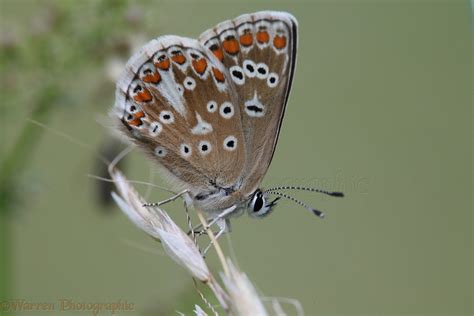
(205, 147)
(272, 80)
(180, 89)
(211, 106)
(202, 127)
(135, 87)
(155, 129)
(166, 117)
(250, 68)
(237, 75)
(171, 90)
(262, 71)
(160, 151)
(174, 51)
(226, 110)
(131, 107)
(230, 143)
(185, 150)
(189, 83)
(254, 107)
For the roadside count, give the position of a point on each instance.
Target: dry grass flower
(157, 223)
(244, 299)
(238, 298)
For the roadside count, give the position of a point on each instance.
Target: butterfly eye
(258, 203)
(180, 88)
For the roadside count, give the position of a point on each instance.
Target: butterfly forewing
(259, 51)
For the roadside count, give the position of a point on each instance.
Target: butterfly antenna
(289, 187)
(300, 203)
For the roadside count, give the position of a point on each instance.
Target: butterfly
(209, 111)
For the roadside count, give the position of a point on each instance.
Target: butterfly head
(259, 205)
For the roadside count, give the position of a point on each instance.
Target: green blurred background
(381, 109)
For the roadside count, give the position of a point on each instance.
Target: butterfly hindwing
(177, 101)
(259, 51)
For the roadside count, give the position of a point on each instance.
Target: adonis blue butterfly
(209, 111)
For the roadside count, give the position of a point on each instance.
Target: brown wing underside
(210, 111)
(261, 46)
(177, 102)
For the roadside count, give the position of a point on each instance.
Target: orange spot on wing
(139, 115)
(279, 42)
(217, 52)
(246, 39)
(218, 75)
(263, 37)
(137, 119)
(163, 64)
(135, 122)
(180, 59)
(152, 78)
(200, 65)
(231, 46)
(143, 96)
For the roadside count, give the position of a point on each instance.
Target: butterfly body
(209, 111)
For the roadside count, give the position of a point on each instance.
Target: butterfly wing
(259, 52)
(210, 111)
(177, 101)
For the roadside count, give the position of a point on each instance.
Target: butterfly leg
(174, 197)
(190, 224)
(220, 216)
(200, 229)
(223, 228)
